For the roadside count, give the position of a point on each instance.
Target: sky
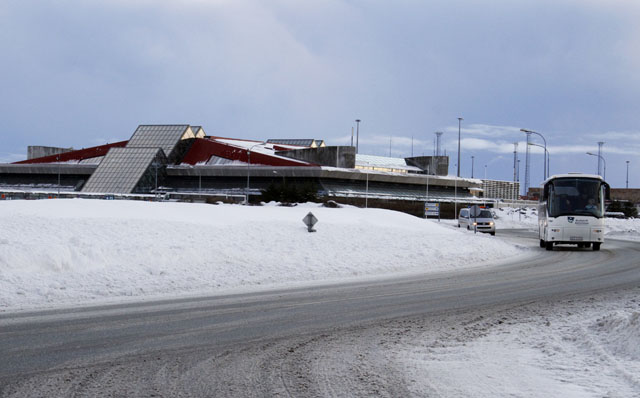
(79, 74)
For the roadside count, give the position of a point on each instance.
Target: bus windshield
(575, 196)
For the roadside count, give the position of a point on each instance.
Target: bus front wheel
(596, 246)
(541, 243)
(548, 245)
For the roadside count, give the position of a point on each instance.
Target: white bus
(571, 210)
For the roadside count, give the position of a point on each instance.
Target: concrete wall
(334, 156)
(413, 207)
(38, 151)
(434, 165)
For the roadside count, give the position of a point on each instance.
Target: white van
(484, 221)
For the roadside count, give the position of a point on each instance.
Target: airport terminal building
(182, 162)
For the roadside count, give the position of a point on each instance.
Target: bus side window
(548, 193)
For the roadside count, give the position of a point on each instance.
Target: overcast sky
(83, 73)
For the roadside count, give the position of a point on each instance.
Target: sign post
(432, 209)
(310, 220)
(474, 211)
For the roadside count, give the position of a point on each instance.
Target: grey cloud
(84, 70)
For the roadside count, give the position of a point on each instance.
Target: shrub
(290, 193)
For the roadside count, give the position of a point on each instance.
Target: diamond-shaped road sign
(310, 220)
(474, 211)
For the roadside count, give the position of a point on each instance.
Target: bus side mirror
(607, 191)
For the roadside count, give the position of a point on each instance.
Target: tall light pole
(515, 165)
(357, 134)
(459, 121)
(437, 154)
(603, 161)
(248, 165)
(600, 144)
(455, 197)
(518, 176)
(485, 185)
(58, 160)
(472, 157)
(366, 195)
(545, 149)
(546, 153)
(627, 174)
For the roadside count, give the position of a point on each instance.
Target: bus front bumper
(575, 235)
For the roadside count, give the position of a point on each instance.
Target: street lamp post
(485, 186)
(627, 174)
(459, 121)
(472, 157)
(603, 162)
(58, 160)
(455, 196)
(546, 155)
(366, 196)
(546, 167)
(248, 165)
(357, 134)
(427, 193)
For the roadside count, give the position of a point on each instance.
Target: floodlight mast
(546, 154)
(546, 167)
(357, 134)
(459, 121)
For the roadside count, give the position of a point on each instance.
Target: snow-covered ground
(575, 348)
(74, 251)
(508, 218)
(623, 229)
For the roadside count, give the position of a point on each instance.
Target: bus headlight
(555, 229)
(598, 231)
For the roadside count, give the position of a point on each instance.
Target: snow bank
(67, 252)
(627, 229)
(618, 334)
(509, 218)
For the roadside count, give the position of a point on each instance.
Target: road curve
(220, 344)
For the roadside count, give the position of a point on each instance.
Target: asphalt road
(226, 345)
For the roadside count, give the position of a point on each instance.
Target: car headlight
(490, 222)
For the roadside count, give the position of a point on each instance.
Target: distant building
(496, 189)
(181, 159)
(309, 142)
(38, 151)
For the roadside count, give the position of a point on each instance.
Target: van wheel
(541, 243)
(596, 246)
(493, 234)
(548, 245)
(458, 225)
(468, 228)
